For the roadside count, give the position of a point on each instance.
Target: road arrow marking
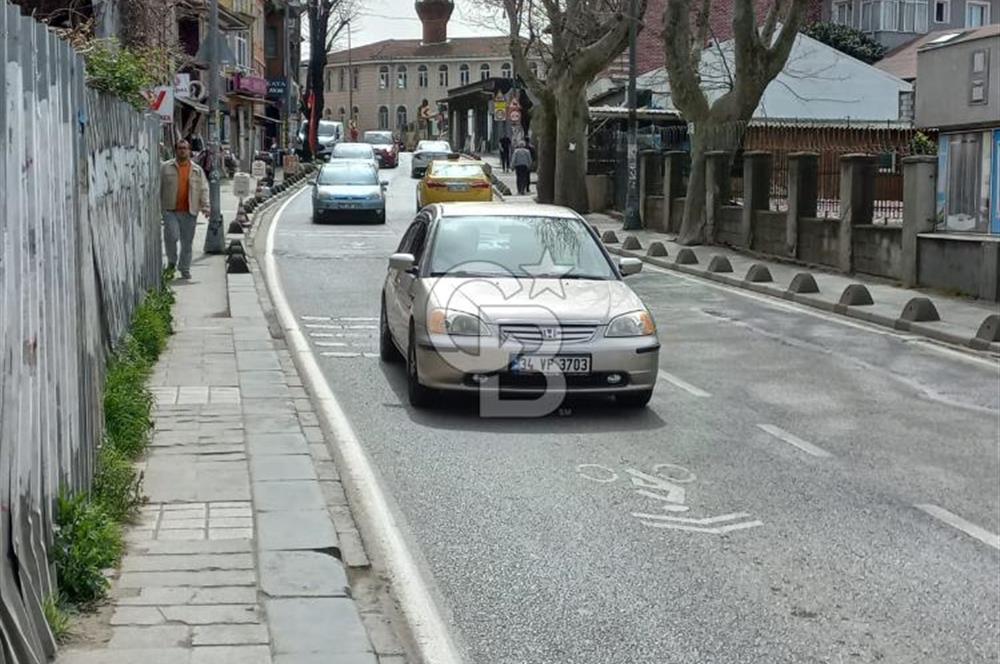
(721, 530)
(696, 525)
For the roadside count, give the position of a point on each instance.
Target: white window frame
(355, 77)
(506, 70)
(383, 117)
(947, 10)
(383, 77)
(401, 114)
(443, 76)
(848, 7)
(240, 45)
(485, 71)
(402, 77)
(340, 79)
(986, 13)
(464, 74)
(423, 76)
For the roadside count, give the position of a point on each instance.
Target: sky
(397, 19)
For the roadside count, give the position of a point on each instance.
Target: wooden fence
(79, 246)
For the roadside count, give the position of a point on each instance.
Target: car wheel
(316, 218)
(413, 175)
(387, 350)
(634, 399)
(380, 219)
(420, 396)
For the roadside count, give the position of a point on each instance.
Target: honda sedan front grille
(536, 335)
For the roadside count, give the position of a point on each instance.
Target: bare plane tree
(760, 50)
(327, 19)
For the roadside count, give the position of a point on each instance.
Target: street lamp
(214, 239)
(292, 8)
(632, 220)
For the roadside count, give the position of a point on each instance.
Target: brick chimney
(434, 14)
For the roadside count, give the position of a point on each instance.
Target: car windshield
(347, 174)
(353, 150)
(444, 169)
(433, 146)
(508, 246)
(378, 137)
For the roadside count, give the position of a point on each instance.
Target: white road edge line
(684, 385)
(967, 527)
(794, 440)
(430, 635)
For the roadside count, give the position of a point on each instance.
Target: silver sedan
(515, 299)
(425, 153)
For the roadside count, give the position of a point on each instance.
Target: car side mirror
(401, 262)
(629, 266)
(384, 183)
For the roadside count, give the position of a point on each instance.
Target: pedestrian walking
(505, 153)
(354, 131)
(522, 166)
(183, 193)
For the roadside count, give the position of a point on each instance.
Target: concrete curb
(811, 300)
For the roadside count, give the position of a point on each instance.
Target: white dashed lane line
(967, 527)
(794, 440)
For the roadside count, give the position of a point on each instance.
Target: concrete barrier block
(989, 331)
(686, 257)
(632, 243)
(920, 310)
(656, 249)
(758, 274)
(856, 295)
(803, 282)
(609, 237)
(719, 263)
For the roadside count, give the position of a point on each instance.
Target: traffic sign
(515, 105)
(514, 115)
(500, 115)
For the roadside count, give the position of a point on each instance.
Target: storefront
(246, 116)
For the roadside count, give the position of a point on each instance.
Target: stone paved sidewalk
(242, 552)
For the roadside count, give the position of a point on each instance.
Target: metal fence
(79, 222)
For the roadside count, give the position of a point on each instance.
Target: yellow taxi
(454, 180)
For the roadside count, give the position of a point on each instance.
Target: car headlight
(632, 324)
(457, 323)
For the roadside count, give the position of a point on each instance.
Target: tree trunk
(693, 225)
(544, 126)
(572, 119)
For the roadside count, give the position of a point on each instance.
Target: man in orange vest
(183, 193)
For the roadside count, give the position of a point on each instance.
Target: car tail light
(437, 185)
(480, 185)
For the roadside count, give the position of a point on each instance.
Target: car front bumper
(349, 208)
(471, 364)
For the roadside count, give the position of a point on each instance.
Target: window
(842, 13)
(401, 117)
(977, 14)
(326, 83)
(340, 79)
(240, 47)
(912, 16)
(484, 71)
(422, 76)
(383, 117)
(355, 77)
(894, 16)
(533, 68)
(942, 11)
(443, 76)
(463, 75)
(505, 70)
(979, 77)
(327, 113)
(271, 42)
(383, 77)
(401, 77)
(964, 181)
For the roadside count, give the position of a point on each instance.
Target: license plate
(349, 206)
(458, 187)
(550, 364)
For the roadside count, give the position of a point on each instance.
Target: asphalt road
(815, 441)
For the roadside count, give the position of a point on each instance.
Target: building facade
(895, 22)
(385, 85)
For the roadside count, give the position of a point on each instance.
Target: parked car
(425, 153)
(456, 305)
(349, 190)
(355, 151)
(386, 150)
(328, 134)
(454, 180)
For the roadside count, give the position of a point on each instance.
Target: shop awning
(201, 108)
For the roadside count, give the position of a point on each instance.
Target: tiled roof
(902, 60)
(413, 49)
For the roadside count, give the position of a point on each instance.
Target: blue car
(349, 190)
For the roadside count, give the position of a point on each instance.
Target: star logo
(546, 275)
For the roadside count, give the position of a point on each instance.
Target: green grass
(88, 537)
(57, 617)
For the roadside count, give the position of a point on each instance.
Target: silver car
(350, 190)
(515, 299)
(426, 152)
(356, 151)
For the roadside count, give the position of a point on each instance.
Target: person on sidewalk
(183, 193)
(505, 153)
(522, 166)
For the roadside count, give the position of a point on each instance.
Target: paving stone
(320, 658)
(301, 574)
(182, 524)
(169, 548)
(301, 529)
(209, 614)
(333, 493)
(231, 512)
(277, 443)
(229, 635)
(126, 656)
(150, 563)
(215, 523)
(330, 626)
(264, 423)
(154, 596)
(230, 533)
(197, 579)
(137, 615)
(157, 636)
(223, 595)
(342, 517)
(288, 495)
(180, 534)
(382, 636)
(282, 467)
(231, 655)
(257, 360)
(327, 470)
(352, 549)
(320, 452)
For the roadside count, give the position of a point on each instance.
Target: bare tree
(758, 56)
(327, 19)
(576, 40)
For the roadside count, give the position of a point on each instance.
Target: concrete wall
(654, 208)
(599, 192)
(727, 230)
(769, 232)
(945, 74)
(819, 241)
(878, 250)
(962, 265)
(677, 215)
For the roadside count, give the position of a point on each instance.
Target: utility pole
(214, 240)
(632, 220)
(289, 25)
(350, 81)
